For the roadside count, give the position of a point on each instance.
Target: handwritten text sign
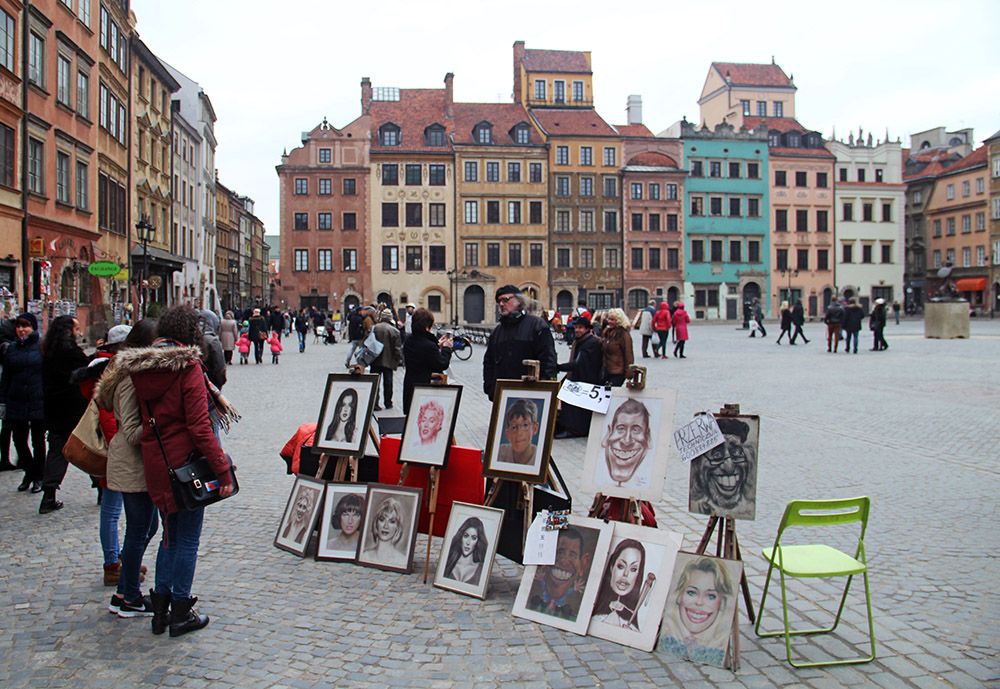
(697, 437)
(593, 397)
(540, 546)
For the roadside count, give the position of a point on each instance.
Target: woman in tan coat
(618, 355)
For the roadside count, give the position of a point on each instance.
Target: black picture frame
(297, 541)
(335, 392)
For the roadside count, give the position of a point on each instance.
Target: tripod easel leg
(431, 510)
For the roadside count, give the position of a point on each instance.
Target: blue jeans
(851, 337)
(302, 340)
(140, 527)
(111, 510)
(178, 555)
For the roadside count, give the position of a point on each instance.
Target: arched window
(388, 134)
(434, 135)
(482, 133)
(637, 299)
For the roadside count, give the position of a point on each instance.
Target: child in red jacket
(243, 345)
(275, 347)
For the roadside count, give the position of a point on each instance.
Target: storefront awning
(158, 258)
(970, 284)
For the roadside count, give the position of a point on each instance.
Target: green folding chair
(818, 560)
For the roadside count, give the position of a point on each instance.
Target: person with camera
(424, 353)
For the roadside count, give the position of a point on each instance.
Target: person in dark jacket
(170, 386)
(876, 321)
(585, 365)
(391, 357)
(215, 358)
(798, 320)
(834, 319)
(355, 330)
(21, 393)
(786, 322)
(424, 355)
(854, 315)
(258, 335)
(517, 337)
(758, 317)
(277, 321)
(7, 335)
(302, 328)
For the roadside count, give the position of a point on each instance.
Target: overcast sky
(275, 69)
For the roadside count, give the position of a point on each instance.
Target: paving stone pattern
(916, 428)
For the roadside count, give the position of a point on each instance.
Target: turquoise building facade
(727, 221)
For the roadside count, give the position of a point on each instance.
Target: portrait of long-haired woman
(467, 552)
(345, 417)
(618, 598)
(699, 614)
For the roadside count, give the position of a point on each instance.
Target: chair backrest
(826, 513)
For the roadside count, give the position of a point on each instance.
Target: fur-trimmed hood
(138, 360)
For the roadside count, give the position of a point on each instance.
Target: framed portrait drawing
(389, 530)
(468, 549)
(701, 608)
(723, 481)
(299, 518)
(521, 429)
(633, 589)
(430, 424)
(627, 448)
(562, 594)
(340, 526)
(345, 415)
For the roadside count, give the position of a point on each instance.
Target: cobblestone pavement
(916, 428)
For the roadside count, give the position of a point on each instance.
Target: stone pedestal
(946, 320)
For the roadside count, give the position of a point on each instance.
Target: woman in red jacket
(170, 386)
(661, 324)
(681, 320)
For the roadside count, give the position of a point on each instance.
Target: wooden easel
(635, 380)
(433, 482)
(526, 495)
(728, 548)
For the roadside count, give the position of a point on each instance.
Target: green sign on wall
(103, 269)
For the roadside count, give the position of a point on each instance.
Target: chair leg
(760, 608)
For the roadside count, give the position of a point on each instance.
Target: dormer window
(521, 134)
(812, 141)
(794, 140)
(774, 139)
(388, 135)
(482, 133)
(434, 135)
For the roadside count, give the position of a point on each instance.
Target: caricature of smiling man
(557, 590)
(627, 441)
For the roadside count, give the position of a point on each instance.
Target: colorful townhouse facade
(993, 147)
(12, 249)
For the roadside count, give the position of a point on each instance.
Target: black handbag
(195, 484)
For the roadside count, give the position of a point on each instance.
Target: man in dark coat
(834, 319)
(517, 337)
(424, 354)
(257, 335)
(798, 320)
(22, 396)
(277, 321)
(854, 315)
(585, 361)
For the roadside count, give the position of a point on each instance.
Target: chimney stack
(449, 94)
(634, 109)
(518, 60)
(366, 95)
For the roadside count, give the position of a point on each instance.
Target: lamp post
(234, 287)
(790, 273)
(147, 233)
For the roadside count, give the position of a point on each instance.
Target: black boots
(49, 502)
(184, 618)
(161, 608)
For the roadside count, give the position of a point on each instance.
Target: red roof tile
(415, 110)
(801, 152)
(978, 157)
(566, 122)
(503, 117)
(556, 61)
(652, 159)
(742, 74)
(636, 130)
(782, 124)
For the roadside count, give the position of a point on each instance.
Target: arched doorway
(351, 302)
(751, 291)
(473, 304)
(564, 302)
(384, 298)
(530, 292)
(848, 293)
(637, 299)
(827, 297)
(673, 295)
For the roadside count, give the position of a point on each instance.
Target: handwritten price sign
(697, 437)
(585, 395)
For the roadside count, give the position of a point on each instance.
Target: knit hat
(584, 321)
(28, 318)
(118, 334)
(506, 289)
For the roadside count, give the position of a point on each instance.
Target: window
(847, 253)
(861, 174)
(492, 253)
(654, 222)
(350, 221)
(673, 259)
(492, 212)
(535, 212)
(350, 186)
(559, 91)
(301, 184)
(522, 135)
(82, 185)
(513, 172)
(697, 251)
(697, 205)
(435, 175)
(937, 228)
(672, 225)
(540, 89)
(654, 191)
(350, 257)
(715, 248)
(636, 190)
(714, 168)
(514, 255)
(535, 173)
(781, 220)
(586, 155)
(36, 166)
(654, 258)
(715, 205)
(562, 257)
(848, 211)
(843, 174)
(612, 258)
(735, 251)
(801, 221)
(301, 259)
(966, 257)
(886, 249)
(471, 170)
(388, 135)
(513, 212)
(436, 257)
(780, 178)
(822, 259)
(390, 174)
(390, 215)
(867, 212)
(949, 256)
(535, 255)
(610, 156)
(325, 155)
(578, 91)
(937, 258)
(390, 259)
(753, 251)
(36, 59)
(324, 260)
(782, 259)
(980, 222)
(436, 215)
(586, 186)
(414, 259)
(966, 188)
(586, 221)
(696, 169)
(471, 254)
(980, 256)
(966, 224)
(800, 179)
(63, 82)
(610, 221)
(414, 215)
(637, 222)
(562, 221)
(762, 108)
(562, 155)
(471, 212)
(949, 192)
(301, 221)
(996, 208)
(745, 107)
(735, 207)
(753, 170)
(8, 36)
(587, 258)
(493, 171)
(980, 185)
(62, 177)
(822, 221)
(414, 174)
(562, 186)
(83, 95)
(83, 12)
(324, 187)
(951, 227)
(753, 208)
(434, 135)
(434, 303)
(610, 187)
(324, 221)
(779, 109)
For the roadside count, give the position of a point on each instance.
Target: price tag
(698, 437)
(586, 395)
(540, 547)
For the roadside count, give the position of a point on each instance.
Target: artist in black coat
(424, 354)
(586, 359)
(517, 337)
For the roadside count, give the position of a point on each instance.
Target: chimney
(366, 95)
(449, 94)
(634, 109)
(518, 61)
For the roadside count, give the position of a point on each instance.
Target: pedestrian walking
(680, 322)
(661, 325)
(786, 322)
(387, 333)
(617, 345)
(424, 354)
(243, 345)
(895, 311)
(228, 334)
(214, 358)
(258, 335)
(758, 319)
(274, 341)
(518, 336)
(854, 315)
(585, 365)
(302, 328)
(355, 331)
(798, 320)
(876, 322)
(834, 319)
(22, 399)
(276, 320)
(646, 326)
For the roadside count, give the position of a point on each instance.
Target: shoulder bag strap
(159, 440)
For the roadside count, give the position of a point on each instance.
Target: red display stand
(462, 480)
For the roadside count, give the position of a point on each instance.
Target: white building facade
(186, 221)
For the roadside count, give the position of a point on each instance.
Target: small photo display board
(340, 525)
(389, 533)
(521, 429)
(345, 416)
(723, 481)
(468, 549)
(430, 424)
(299, 519)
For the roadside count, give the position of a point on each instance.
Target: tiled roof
(415, 110)
(652, 159)
(556, 61)
(782, 124)
(978, 157)
(742, 74)
(637, 130)
(995, 136)
(801, 152)
(503, 117)
(559, 122)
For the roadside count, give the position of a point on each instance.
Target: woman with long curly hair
(618, 598)
(467, 552)
(345, 417)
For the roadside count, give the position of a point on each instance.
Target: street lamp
(791, 273)
(146, 233)
(234, 287)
